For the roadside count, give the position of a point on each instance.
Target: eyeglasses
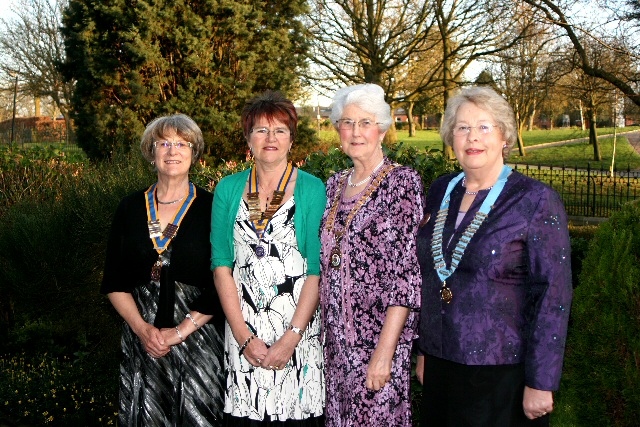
(165, 145)
(348, 124)
(263, 132)
(462, 130)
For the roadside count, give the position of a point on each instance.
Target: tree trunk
(532, 115)
(412, 125)
(593, 135)
(391, 136)
(521, 150)
(581, 115)
(448, 85)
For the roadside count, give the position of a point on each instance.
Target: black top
(130, 256)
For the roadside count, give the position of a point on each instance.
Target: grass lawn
(580, 155)
(569, 155)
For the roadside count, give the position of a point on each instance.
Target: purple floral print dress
(378, 269)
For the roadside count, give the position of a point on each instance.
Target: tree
(525, 70)
(553, 10)
(470, 31)
(134, 61)
(366, 41)
(370, 41)
(33, 48)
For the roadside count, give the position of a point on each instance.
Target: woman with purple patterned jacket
(370, 280)
(496, 279)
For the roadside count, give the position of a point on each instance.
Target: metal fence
(588, 192)
(26, 136)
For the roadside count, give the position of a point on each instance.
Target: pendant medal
(445, 293)
(154, 229)
(260, 251)
(335, 259)
(156, 269)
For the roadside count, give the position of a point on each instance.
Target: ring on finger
(259, 361)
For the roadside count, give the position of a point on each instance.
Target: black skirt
(184, 388)
(456, 395)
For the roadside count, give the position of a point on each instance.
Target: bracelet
(190, 317)
(246, 343)
(179, 334)
(295, 329)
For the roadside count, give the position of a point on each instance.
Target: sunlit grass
(430, 139)
(581, 155)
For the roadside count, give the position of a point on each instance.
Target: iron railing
(588, 192)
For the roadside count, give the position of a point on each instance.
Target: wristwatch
(295, 329)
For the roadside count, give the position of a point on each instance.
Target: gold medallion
(445, 293)
(335, 259)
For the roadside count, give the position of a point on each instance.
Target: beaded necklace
(437, 249)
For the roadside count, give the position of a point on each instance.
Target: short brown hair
(182, 125)
(273, 106)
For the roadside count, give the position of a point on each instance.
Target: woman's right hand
(255, 352)
(152, 340)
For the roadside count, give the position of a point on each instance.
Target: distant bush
(429, 165)
(602, 364)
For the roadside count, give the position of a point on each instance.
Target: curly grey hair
(368, 97)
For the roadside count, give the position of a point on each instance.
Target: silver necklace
(357, 184)
(471, 193)
(171, 202)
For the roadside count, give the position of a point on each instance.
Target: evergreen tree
(133, 60)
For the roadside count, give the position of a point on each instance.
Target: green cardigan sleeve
(310, 198)
(226, 202)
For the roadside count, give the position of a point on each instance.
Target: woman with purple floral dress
(370, 285)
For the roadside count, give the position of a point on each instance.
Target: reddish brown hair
(273, 106)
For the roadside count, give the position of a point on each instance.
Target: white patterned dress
(269, 289)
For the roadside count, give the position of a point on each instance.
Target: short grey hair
(182, 125)
(368, 97)
(488, 100)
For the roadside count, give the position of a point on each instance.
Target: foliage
(35, 174)
(47, 390)
(603, 348)
(204, 58)
(429, 165)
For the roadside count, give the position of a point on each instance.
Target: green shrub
(602, 364)
(46, 390)
(429, 165)
(580, 236)
(34, 174)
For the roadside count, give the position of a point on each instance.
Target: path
(634, 140)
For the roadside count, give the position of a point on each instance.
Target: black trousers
(456, 395)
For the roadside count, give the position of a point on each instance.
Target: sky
(4, 7)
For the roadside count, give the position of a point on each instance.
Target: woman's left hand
(537, 403)
(378, 371)
(279, 354)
